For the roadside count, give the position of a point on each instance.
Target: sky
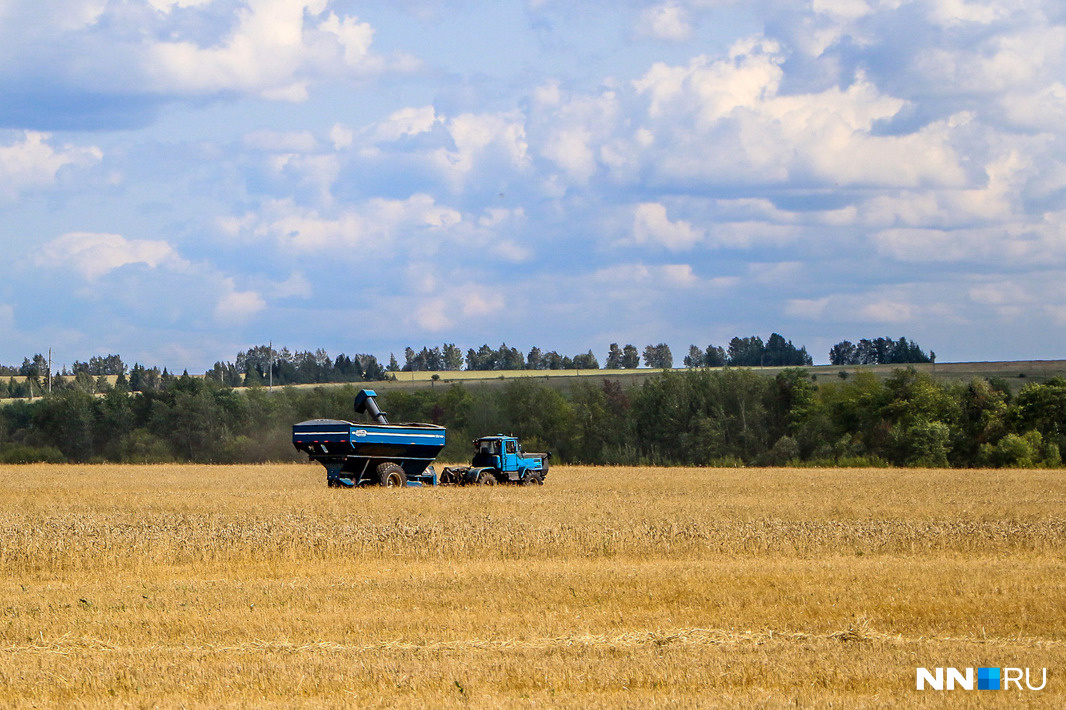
(181, 180)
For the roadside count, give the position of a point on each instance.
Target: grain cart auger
(376, 453)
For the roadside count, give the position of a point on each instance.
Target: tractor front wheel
(532, 479)
(391, 475)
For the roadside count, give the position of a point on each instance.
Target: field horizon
(1017, 372)
(185, 585)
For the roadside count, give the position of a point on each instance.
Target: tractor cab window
(490, 447)
(511, 447)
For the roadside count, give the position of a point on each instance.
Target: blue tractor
(393, 455)
(499, 459)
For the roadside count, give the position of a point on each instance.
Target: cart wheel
(390, 475)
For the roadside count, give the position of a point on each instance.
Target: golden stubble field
(257, 586)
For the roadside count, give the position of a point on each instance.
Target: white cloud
(666, 22)
(406, 122)
(774, 273)
(282, 141)
(954, 12)
(296, 285)
(1044, 109)
(666, 276)
(341, 136)
(375, 226)
(168, 5)
(1018, 297)
(573, 130)
(72, 15)
(1025, 60)
(457, 302)
(1028, 243)
(33, 162)
(480, 137)
(432, 315)
(7, 318)
(678, 274)
(652, 226)
(318, 172)
(846, 9)
(710, 90)
(885, 311)
(354, 36)
(275, 45)
(728, 117)
(95, 254)
(479, 301)
(806, 308)
(1000, 293)
(238, 306)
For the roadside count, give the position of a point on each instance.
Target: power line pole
(49, 370)
(271, 346)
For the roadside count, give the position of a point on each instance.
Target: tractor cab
(505, 455)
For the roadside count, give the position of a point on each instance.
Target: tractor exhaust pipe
(366, 401)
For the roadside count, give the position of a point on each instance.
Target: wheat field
(258, 586)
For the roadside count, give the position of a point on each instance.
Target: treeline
(741, 352)
(697, 417)
(750, 352)
(879, 351)
(258, 365)
(264, 364)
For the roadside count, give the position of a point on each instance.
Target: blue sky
(183, 179)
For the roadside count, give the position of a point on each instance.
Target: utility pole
(271, 346)
(49, 370)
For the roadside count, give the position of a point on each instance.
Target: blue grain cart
(377, 453)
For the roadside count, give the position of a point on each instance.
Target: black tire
(532, 479)
(486, 479)
(391, 475)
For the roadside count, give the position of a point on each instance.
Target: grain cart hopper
(377, 453)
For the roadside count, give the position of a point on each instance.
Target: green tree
(586, 362)
(1042, 407)
(452, 357)
(694, 357)
(539, 415)
(714, 356)
(603, 424)
(614, 357)
(746, 352)
(843, 353)
(658, 357)
(66, 421)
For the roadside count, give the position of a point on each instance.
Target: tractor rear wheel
(391, 475)
(487, 479)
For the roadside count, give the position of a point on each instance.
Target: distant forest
(703, 417)
(263, 364)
